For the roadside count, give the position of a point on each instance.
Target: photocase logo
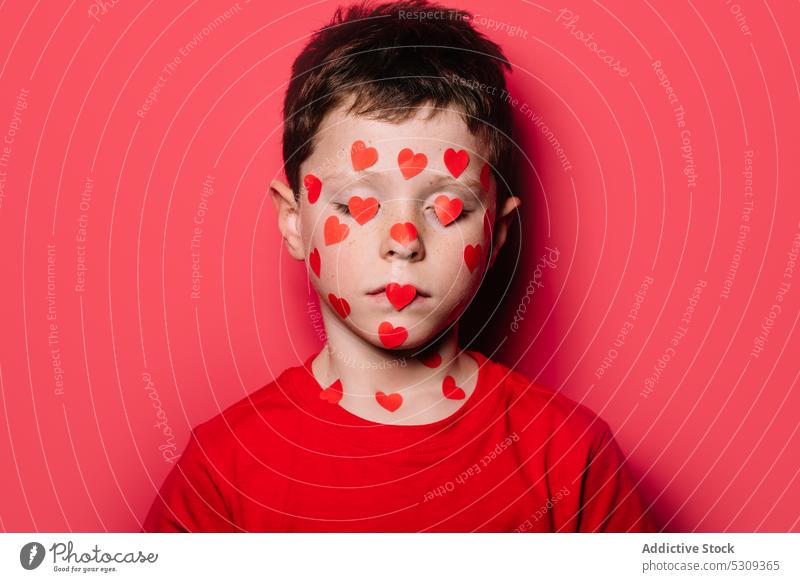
(31, 555)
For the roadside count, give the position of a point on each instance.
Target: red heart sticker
(410, 163)
(391, 336)
(314, 187)
(333, 393)
(431, 360)
(450, 390)
(400, 295)
(335, 231)
(487, 225)
(447, 209)
(456, 161)
(390, 402)
(404, 233)
(340, 304)
(472, 256)
(315, 261)
(361, 209)
(362, 156)
(485, 175)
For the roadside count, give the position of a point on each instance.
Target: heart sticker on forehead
(410, 163)
(390, 335)
(362, 156)
(314, 187)
(335, 231)
(456, 161)
(362, 210)
(404, 233)
(447, 209)
(400, 295)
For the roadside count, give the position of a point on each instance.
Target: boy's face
(395, 223)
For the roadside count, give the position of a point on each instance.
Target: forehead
(430, 131)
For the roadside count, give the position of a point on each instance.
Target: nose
(403, 242)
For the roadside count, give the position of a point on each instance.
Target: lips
(400, 295)
(380, 289)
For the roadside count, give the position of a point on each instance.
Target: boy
(397, 150)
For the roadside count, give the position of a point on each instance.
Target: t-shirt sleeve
(609, 499)
(190, 499)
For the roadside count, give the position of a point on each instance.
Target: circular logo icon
(31, 555)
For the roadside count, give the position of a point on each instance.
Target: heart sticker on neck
(432, 360)
(333, 393)
(390, 402)
(450, 390)
(410, 163)
(362, 156)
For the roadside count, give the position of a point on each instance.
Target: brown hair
(391, 59)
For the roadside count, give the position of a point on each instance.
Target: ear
(288, 218)
(501, 224)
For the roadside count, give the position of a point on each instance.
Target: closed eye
(342, 208)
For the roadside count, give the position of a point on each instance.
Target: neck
(419, 393)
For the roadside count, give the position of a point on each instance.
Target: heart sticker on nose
(472, 256)
(335, 231)
(447, 209)
(362, 210)
(404, 233)
(390, 402)
(333, 393)
(400, 295)
(362, 156)
(315, 261)
(340, 304)
(410, 163)
(314, 187)
(456, 161)
(450, 390)
(390, 335)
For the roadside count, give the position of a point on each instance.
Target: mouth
(381, 289)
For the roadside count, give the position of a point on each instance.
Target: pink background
(714, 441)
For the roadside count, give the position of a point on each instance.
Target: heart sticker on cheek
(404, 233)
(400, 295)
(485, 175)
(362, 210)
(333, 393)
(390, 335)
(450, 390)
(335, 231)
(362, 156)
(447, 209)
(487, 226)
(456, 161)
(390, 402)
(340, 304)
(472, 256)
(410, 163)
(314, 187)
(315, 261)
(432, 360)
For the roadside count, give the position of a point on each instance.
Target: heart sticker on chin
(362, 210)
(447, 209)
(335, 231)
(333, 393)
(404, 233)
(362, 156)
(390, 335)
(410, 163)
(339, 304)
(390, 402)
(456, 161)
(314, 187)
(400, 295)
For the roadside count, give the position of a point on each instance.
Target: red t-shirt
(514, 457)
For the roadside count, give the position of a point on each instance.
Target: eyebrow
(343, 181)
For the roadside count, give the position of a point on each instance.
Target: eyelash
(345, 210)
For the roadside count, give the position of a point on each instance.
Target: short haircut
(390, 59)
